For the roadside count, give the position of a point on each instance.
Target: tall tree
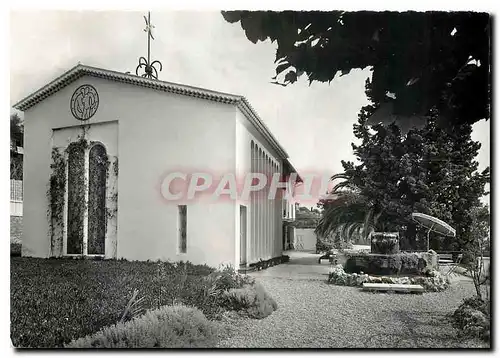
(426, 170)
(419, 60)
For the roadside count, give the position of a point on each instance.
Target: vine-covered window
(98, 167)
(76, 196)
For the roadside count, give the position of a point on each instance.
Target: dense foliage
(419, 60)
(54, 301)
(305, 218)
(17, 140)
(427, 170)
(395, 264)
(168, 327)
(16, 130)
(473, 318)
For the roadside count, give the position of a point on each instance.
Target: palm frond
(340, 176)
(345, 185)
(350, 212)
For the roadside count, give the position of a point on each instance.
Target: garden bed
(54, 301)
(264, 264)
(435, 282)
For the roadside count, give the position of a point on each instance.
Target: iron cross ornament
(146, 65)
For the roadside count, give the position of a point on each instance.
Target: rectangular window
(182, 229)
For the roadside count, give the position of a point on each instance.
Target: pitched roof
(82, 70)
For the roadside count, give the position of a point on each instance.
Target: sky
(313, 123)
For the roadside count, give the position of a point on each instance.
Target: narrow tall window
(98, 167)
(76, 196)
(182, 229)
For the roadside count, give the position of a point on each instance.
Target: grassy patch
(54, 301)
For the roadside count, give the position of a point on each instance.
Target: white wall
(306, 238)
(264, 233)
(16, 208)
(155, 132)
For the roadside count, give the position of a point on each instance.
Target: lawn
(56, 300)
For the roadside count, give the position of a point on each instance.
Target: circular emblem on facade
(84, 102)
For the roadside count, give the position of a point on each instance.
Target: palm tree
(347, 211)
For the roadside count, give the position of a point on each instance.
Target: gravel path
(314, 314)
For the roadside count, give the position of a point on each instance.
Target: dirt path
(314, 314)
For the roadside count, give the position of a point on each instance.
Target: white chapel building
(98, 147)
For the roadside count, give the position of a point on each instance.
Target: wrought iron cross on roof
(149, 68)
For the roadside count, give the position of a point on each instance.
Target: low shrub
(226, 289)
(435, 282)
(209, 294)
(15, 249)
(251, 300)
(473, 318)
(168, 327)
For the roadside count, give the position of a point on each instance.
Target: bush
(209, 295)
(15, 249)
(251, 300)
(167, 327)
(227, 290)
(472, 317)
